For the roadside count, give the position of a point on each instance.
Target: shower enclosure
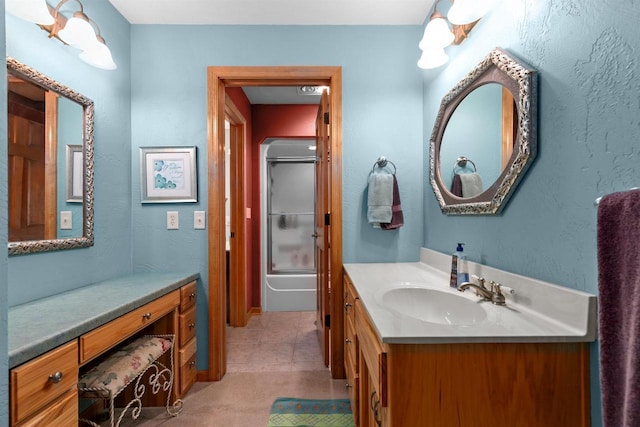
(288, 222)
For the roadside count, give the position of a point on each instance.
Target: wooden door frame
(238, 286)
(219, 78)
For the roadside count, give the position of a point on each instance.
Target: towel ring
(383, 162)
(462, 162)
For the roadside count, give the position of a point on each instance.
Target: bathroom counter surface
(537, 312)
(39, 326)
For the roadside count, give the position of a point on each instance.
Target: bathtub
(289, 292)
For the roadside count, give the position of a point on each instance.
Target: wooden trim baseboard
(202, 376)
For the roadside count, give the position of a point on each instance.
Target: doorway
(220, 78)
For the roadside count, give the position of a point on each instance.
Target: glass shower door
(291, 217)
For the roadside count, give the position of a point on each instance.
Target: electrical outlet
(172, 220)
(66, 221)
(199, 220)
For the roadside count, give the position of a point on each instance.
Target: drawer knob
(347, 305)
(348, 386)
(192, 363)
(147, 316)
(348, 341)
(192, 295)
(56, 378)
(192, 325)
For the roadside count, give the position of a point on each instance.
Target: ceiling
(275, 12)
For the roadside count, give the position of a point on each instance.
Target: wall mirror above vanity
(50, 173)
(485, 136)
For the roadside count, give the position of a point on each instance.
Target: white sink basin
(431, 305)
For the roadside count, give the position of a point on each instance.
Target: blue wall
(382, 106)
(587, 57)
(588, 131)
(39, 275)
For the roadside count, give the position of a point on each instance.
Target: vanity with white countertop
(419, 353)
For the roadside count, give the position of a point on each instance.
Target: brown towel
(397, 218)
(619, 307)
(456, 185)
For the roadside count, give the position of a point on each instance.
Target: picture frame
(168, 175)
(74, 172)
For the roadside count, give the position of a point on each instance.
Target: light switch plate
(199, 220)
(173, 220)
(66, 220)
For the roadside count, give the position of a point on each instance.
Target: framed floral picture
(168, 174)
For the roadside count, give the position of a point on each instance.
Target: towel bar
(382, 162)
(462, 162)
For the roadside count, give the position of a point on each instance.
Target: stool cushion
(123, 366)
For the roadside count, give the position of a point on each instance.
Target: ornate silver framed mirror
(50, 153)
(485, 136)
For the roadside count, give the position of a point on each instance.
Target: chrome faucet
(494, 294)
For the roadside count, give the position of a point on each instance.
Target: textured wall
(38, 275)
(382, 104)
(587, 55)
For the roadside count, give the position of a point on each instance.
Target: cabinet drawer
(61, 413)
(31, 386)
(187, 325)
(353, 386)
(101, 339)
(350, 296)
(187, 366)
(187, 296)
(374, 355)
(350, 344)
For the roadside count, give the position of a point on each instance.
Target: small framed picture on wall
(168, 174)
(75, 172)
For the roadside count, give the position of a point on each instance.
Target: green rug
(290, 412)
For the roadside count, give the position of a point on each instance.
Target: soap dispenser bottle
(463, 268)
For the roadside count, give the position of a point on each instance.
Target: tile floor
(276, 355)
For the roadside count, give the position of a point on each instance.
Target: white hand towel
(380, 198)
(471, 184)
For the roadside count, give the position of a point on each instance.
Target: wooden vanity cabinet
(468, 384)
(44, 390)
(187, 340)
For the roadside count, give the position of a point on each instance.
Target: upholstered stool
(127, 365)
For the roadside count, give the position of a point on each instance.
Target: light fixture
(81, 32)
(99, 55)
(433, 58)
(78, 31)
(463, 16)
(437, 33)
(464, 12)
(35, 11)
